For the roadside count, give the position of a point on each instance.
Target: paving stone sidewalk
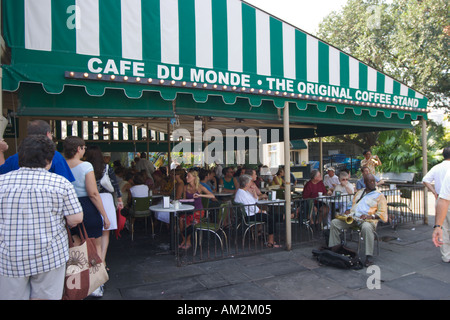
(409, 264)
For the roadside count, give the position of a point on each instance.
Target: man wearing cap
(107, 158)
(331, 180)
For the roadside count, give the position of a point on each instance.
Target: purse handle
(83, 234)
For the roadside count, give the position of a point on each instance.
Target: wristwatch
(437, 226)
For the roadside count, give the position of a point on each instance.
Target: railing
(235, 229)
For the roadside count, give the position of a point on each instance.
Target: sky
(304, 14)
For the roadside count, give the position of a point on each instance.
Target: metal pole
(3, 120)
(321, 156)
(425, 169)
(287, 175)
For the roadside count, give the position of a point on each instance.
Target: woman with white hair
(247, 196)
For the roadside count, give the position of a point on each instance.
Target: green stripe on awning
(204, 41)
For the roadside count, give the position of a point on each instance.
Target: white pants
(445, 248)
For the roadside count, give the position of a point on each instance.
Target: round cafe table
(172, 211)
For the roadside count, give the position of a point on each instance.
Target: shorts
(46, 286)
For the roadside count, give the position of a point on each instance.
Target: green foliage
(401, 150)
(409, 41)
(406, 39)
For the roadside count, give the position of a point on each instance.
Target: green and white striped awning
(202, 48)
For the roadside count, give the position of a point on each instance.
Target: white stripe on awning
(353, 73)
(235, 46)
(371, 79)
(203, 33)
(335, 69)
(170, 42)
(289, 51)
(263, 64)
(389, 85)
(38, 25)
(312, 59)
(88, 33)
(403, 90)
(131, 29)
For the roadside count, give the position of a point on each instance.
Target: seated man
(247, 196)
(369, 205)
(360, 183)
(330, 180)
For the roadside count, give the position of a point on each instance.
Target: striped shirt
(33, 237)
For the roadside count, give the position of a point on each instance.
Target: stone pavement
(409, 264)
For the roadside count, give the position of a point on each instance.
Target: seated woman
(345, 188)
(246, 195)
(311, 191)
(192, 190)
(139, 188)
(229, 182)
(278, 179)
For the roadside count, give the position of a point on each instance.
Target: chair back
(241, 215)
(223, 214)
(141, 204)
(280, 194)
(205, 203)
(405, 193)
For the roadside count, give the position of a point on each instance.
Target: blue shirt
(206, 186)
(361, 185)
(59, 166)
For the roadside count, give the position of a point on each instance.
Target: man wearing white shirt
(436, 176)
(440, 233)
(331, 180)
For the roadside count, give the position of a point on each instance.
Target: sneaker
(98, 293)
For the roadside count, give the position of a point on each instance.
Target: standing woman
(95, 157)
(86, 189)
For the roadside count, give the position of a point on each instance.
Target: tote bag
(85, 270)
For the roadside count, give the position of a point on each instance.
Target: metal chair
(302, 220)
(140, 208)
(357, 229)
(215, 227)
(247, 222)
(403, 204)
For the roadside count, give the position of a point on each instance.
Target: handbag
(106, 181)
(85, 270)
(120, 223)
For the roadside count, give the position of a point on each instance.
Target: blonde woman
(193, 190)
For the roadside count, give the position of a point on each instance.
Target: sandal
(272, 245)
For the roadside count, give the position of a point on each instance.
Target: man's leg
(336, 226)
(367, 232)
(445, 248)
